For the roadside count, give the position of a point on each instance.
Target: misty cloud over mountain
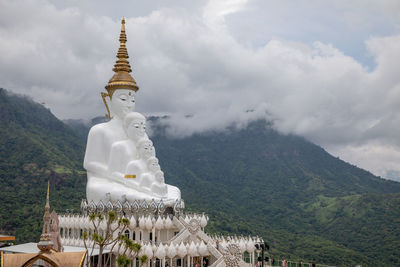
(215, 61)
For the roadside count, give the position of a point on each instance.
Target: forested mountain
(305, 203)
(302, 200)
(35, 147)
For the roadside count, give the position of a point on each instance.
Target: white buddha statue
(112, 150)
(133, 162)
(124, 151)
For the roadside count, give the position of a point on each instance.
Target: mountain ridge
(35, 148)
(306, 203)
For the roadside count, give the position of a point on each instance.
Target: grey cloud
(347, 24)
(186, 66)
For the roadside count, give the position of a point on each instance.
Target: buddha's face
(137, 129)
(146, 150)
(122, 102)
(152, 164)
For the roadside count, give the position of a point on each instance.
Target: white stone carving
(182, 251)
(171, 251)
(120, 159)
(193, 226)
(232, 255)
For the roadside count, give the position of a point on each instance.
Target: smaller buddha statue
(159, 184)
(124, 151)
(132, 162)
(137, 167)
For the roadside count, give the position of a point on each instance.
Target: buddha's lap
(98, 187)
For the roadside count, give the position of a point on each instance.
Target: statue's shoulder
(100, 129)
(121, 143)
(124, 145)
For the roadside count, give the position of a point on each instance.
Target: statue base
(167, 235)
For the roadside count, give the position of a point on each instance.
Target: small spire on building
(47, 207)
(122, 79)
(45, 242)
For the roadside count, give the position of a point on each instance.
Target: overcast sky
(326, 70)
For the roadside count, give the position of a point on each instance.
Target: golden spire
(47, 207)
(45, 242)
(122, 79)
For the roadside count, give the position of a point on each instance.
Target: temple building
(48, 252)
(5, 240)
(125, 180)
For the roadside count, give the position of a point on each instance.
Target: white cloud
(215, 11)
(382, 159)
(193, 63)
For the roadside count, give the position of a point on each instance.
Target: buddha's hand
(117, 177)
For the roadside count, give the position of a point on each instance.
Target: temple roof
(56, 259)
(6, 238)
(31, 247)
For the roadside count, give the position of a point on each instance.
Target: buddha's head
(121, 102)
(135, 126)
(121, 88)
(152, 164)
(146, 149)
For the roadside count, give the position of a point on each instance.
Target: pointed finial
(45, 242)
(122, 79)
(48, 195)
(122, 37)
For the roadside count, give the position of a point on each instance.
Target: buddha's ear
(106, 101)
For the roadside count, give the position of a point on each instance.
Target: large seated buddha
(120, 159)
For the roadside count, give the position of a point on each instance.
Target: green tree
(112, 236)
